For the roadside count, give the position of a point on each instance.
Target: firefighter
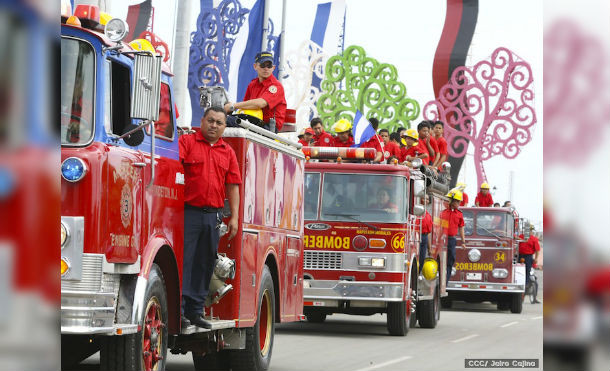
(483, 198)
(441, 143)
(390, 149)
(453, 220)
(320, 137)
(344, 138)
(528, 251)
(210, 173)
(307, 137)
(410, 150)
(426, 229)
(426, 148)
(264, 92)
(384, 202)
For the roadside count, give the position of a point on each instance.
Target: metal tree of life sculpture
(368, 86)
(490, 105)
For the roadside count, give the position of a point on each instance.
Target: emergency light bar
(343, 152)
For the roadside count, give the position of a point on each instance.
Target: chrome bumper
(485, 286)
(352, 290)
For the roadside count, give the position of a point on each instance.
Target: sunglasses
(266, 65)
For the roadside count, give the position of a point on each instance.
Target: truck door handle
(138, 164)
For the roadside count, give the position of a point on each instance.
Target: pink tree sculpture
(490, 105)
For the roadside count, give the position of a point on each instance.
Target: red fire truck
(487, 269)
(361, 249)
(122, 213)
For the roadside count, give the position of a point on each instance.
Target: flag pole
(265, 25)
(282, 42)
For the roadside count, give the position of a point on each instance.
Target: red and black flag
(138, 17)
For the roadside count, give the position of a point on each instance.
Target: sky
(405, 33)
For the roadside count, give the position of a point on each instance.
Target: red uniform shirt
(452, 220)
(391, 149)
(434, 146)
(375, 142)
(304, 142)
(323, 140)
(464, 199)
(484, 200)
(530, 246)
(421, 149)
(426, 225)
(442, 145)
(413, 151)
(272, 92)
(207, 169)
(338, 143)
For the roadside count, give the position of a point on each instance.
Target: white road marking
(539, 317)
(464, 338)
(390, 362)
(509, 324)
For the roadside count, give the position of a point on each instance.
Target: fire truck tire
(316, 317)
(429, 310)
(516, 304)
(217, 361)
(446, 302)
(259, 339)
(146, 349)
(398, 318)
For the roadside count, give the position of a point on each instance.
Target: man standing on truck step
(264, 92)
(453, 221)
(210, 173)
(426, 229)
(528, 251)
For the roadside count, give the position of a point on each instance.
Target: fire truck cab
(122, 218)
(487, 269)
(362, 240)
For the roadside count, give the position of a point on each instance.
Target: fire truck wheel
(217, 361)
(316, 317)
(259, 339)
(146, 349)
(429, 311)
(516, 304)
(398, 318)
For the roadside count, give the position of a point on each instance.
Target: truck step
(217, 324)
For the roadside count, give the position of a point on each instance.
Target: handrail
(264, 132)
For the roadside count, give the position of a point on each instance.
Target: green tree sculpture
(369, 86)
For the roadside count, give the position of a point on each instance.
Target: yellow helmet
(255, 116)
(455, 194)
(429, 269)
(342, 126)
(460, 186)
(484, 186)
(412, 133)
(142, 45)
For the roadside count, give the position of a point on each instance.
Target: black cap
(264, 57)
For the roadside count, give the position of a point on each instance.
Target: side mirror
(419, 188)
(419, 210)
(146, 86)
(135, 138)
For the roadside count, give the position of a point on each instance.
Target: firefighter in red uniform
(344, 138)
(410, 150)
(425, 147)
(528, 251)
(389, 148)
(210, 172)
(375, 141)
(441, 143)
(483, 198)
(320, 137)
(307, 139)
(453, 221)
(264, 92)
(426, 229)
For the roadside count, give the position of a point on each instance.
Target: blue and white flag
(247, 44)
(328, 30)
(362, 130)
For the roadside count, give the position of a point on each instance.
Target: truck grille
(322, 260)
(92, 275)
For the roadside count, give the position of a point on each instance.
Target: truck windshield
(468, 222)
(364, 198)
(77, 88)
(491, 224)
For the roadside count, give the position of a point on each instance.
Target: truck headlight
(378, 262)
(474, 255)
(499, 273)
(65, 234)
(73, 169)
(364, 261)
(116, 29)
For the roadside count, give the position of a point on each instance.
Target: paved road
(359, 343)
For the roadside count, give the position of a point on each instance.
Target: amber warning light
(344, 153)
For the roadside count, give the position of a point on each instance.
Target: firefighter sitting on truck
(453, 222)
(320, 137)
(344, 138)
(409, 152)
(483, 198)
